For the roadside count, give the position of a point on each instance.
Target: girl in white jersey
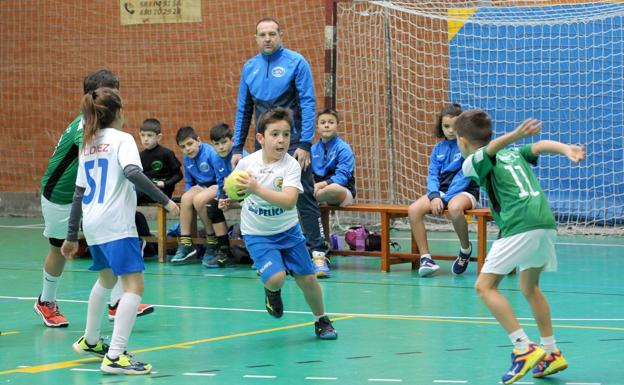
(105, 197)
(269, 220)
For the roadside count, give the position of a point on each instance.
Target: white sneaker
(321, 268)
(427, 267)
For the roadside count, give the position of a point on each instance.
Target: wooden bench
(163, 240)
(389, 211)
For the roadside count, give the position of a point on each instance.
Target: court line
(492, 240)
(340, 314)
(183, 345)
(7, 333)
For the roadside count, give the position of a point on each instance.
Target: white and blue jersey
(446, 178)
(259, 217)
(333, 162)
(281, 79)
(204, 169)
(109, 201)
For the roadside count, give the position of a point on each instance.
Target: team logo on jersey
(157, 165)
(204, 167)
(277, 183)
(278, 72)
(457, 157)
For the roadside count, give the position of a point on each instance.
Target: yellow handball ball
(229, 185)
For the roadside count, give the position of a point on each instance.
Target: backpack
(359, 238)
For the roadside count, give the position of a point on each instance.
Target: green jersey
(516, 199)
(59, 181)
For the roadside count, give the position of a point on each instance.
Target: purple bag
(356, 238)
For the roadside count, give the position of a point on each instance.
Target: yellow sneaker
(521, 363)
(124, 365)
(553, 363)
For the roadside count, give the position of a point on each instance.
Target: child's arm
(527, 128)
(571, 151)
(286, 199)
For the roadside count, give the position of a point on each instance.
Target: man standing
(279, 77)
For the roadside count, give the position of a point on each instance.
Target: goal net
(399, 62)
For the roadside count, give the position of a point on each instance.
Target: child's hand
(160, 184)
(575, 153)
(437, 206)
(528, 128)
(224, 204)
(69, 249)
(247, 183)
(172, 208)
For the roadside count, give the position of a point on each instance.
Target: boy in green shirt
(528, 232)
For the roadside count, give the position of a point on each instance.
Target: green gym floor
(210, 326)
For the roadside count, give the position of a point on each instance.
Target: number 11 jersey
(516, 199)
(109, 201)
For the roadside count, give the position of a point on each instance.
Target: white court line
(451, 381)
(582, 383)
(257, 376)
(214, 275)
(408, 316)
(321, 378)
(23, 366)
(35, 226)
(84, 370)
(200, 374)
(491, 240)
(385, 380)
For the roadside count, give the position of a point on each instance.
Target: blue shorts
(123, 256)
(285, 251)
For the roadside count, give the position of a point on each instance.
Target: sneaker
(321, 268)
(210, 261)
(461, 263)
(50, 313)
(184, 254)
(224, 258)
(553, 363)
(143, 310)
(521, 363)
(83, 348)
(324, 329)
(124, 365)
(273, 303)
(427, 267)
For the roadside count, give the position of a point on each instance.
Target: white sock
(124, 322)
(116, 293)
(425, 256)
(318, 317)
(466, 251)
(549, 344)
(50, 286)
(520, 340)
(95, 311)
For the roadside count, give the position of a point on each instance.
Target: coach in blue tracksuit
(279, 77)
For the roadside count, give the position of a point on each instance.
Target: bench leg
(482, 242)
(162, 234)
(385, 242)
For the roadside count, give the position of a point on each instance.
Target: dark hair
(151, 125)
(268, 19)
(475, 126)
(99, 109)
(274, 115)
(100, 78)
(451, 109)
(328, 111)
(220, 131)
(185, 133)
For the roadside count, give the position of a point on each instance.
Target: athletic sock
(520, 340)
(50, 286)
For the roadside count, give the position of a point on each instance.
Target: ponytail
(99, 109)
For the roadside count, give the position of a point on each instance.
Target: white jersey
(259, 217)
(109, 201)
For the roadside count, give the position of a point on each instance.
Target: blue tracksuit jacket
(334, 162)
(281, 79)
(446, 178)
(206, 169)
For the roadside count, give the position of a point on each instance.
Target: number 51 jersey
(109, 202)
(516, 199)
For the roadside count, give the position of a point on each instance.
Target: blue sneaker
(427, 267)
(553, 363)
(324, 329)
(184, 254)
(461, 263)
(321, 267)
(211, 263)
(124, 364)
(521, 363)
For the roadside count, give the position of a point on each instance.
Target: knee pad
(214, 213)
